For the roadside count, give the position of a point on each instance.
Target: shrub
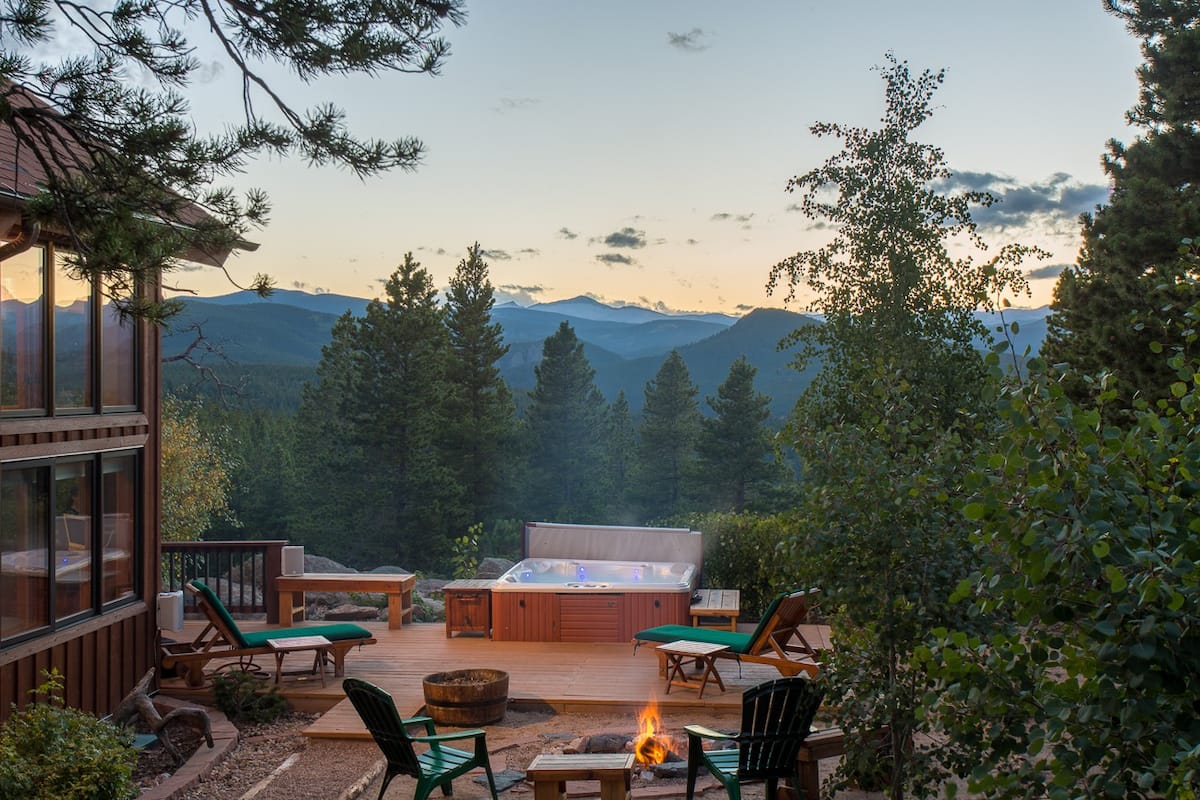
(240, 696)
(50, 752)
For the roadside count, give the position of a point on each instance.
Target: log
(138, 705)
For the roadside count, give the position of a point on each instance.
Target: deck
(565, 677)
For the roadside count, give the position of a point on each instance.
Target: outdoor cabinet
(468, 607)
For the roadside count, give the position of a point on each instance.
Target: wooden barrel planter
(466, 697)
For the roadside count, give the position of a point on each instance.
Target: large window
(64, 348)
(68, 540)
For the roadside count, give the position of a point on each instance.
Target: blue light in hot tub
(580, 572)
(637, 574)
(526, 576)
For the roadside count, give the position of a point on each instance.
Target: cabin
(79, 466)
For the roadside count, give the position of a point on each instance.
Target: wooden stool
(549, 773)
(318, 644)
(704, 654)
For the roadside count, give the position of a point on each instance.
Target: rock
(505, 779)
(576, 745)
(427, 586)
(389, 569)
(351, 612)
(426, 609)
(492, 568)
(670, 769)
(607, 743)
(313, 563)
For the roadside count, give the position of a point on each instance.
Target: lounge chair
(776, 719)
(776, 641)
(229, 641)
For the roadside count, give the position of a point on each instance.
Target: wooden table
(705, 656)
(716, 603)
(468, 606)
(549, 773)
(398, 588)
(318, 644)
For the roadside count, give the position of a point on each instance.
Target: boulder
(351, 612)
(492, 568)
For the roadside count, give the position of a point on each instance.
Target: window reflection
(73, 539)
(118, 379)
(22, 331)
(72, 339)
(120, 499)
(24, 550)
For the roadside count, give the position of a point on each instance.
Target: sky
(639, 152)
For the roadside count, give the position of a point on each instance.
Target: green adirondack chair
(776, 718)
(433, 768)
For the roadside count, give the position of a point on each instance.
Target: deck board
(564, 676)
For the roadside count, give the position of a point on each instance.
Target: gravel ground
(276, 762)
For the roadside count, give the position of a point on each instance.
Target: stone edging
(225, 736)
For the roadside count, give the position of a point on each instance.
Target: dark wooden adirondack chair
(437, 766)
(776, 719)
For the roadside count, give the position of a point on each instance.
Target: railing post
(272, 568)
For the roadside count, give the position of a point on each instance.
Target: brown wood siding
(650, 609)
(525, 616)
(613, 617)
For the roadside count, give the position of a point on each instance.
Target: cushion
(334, 633)
(736, 642)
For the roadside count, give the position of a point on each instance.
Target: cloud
(515, 104)
(614, 258)
(299, 285)
(1056, 201)
(744, 307)
(521, 295)
(1048, 271)
(691, 42)
(693, 241)
(320, 290)
(529, 251)
(720, 217)
(441, 251)
(496, 255)
(794, 208)
(626, 237)
(567, 233)
(725, 216)
(516, 287)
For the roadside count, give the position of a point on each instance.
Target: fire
(651, 745)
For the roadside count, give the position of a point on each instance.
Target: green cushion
(334, 633)
(736, 642)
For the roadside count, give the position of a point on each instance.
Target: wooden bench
(716, 603)
(398, 588)
(550, 772)
(828, 743)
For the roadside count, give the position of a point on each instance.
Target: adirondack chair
(433, 768)
(776, 718)
(777, 641)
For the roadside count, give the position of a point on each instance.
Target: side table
(468, 606)
(705, 655)
(549, 773)
(717, 603)
(318, 644)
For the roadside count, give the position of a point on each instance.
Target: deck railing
(242, 573)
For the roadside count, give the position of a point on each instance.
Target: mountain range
(282, 336)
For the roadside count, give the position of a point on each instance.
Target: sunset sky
(639, 152)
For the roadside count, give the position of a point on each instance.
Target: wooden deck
(564, 677)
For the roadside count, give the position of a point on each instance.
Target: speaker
(293, 560)
(169, 609)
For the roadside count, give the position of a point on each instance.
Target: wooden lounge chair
(228, 641)
(776, 641)
(776, 719)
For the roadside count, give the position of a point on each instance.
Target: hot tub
(576, 600)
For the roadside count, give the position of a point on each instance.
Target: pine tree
(565, 425)
(1130, 282)
(479, 406)
(126, 171)
(620, 454)
(667, 440)
(735, 445)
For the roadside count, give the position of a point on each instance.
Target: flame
(651, 745)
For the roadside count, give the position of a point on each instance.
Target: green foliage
(51, 752)
(666, 451)
(884, 431)
(1129, 287)
(1085, 685)
(127, 168)
(750, 552)
(197, 473)
(735, 446)
(465, 556)
(502, 540)
(244, 696)
(565, 425)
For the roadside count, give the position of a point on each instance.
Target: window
(64, 348)
(68, 540)
(23, 332)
